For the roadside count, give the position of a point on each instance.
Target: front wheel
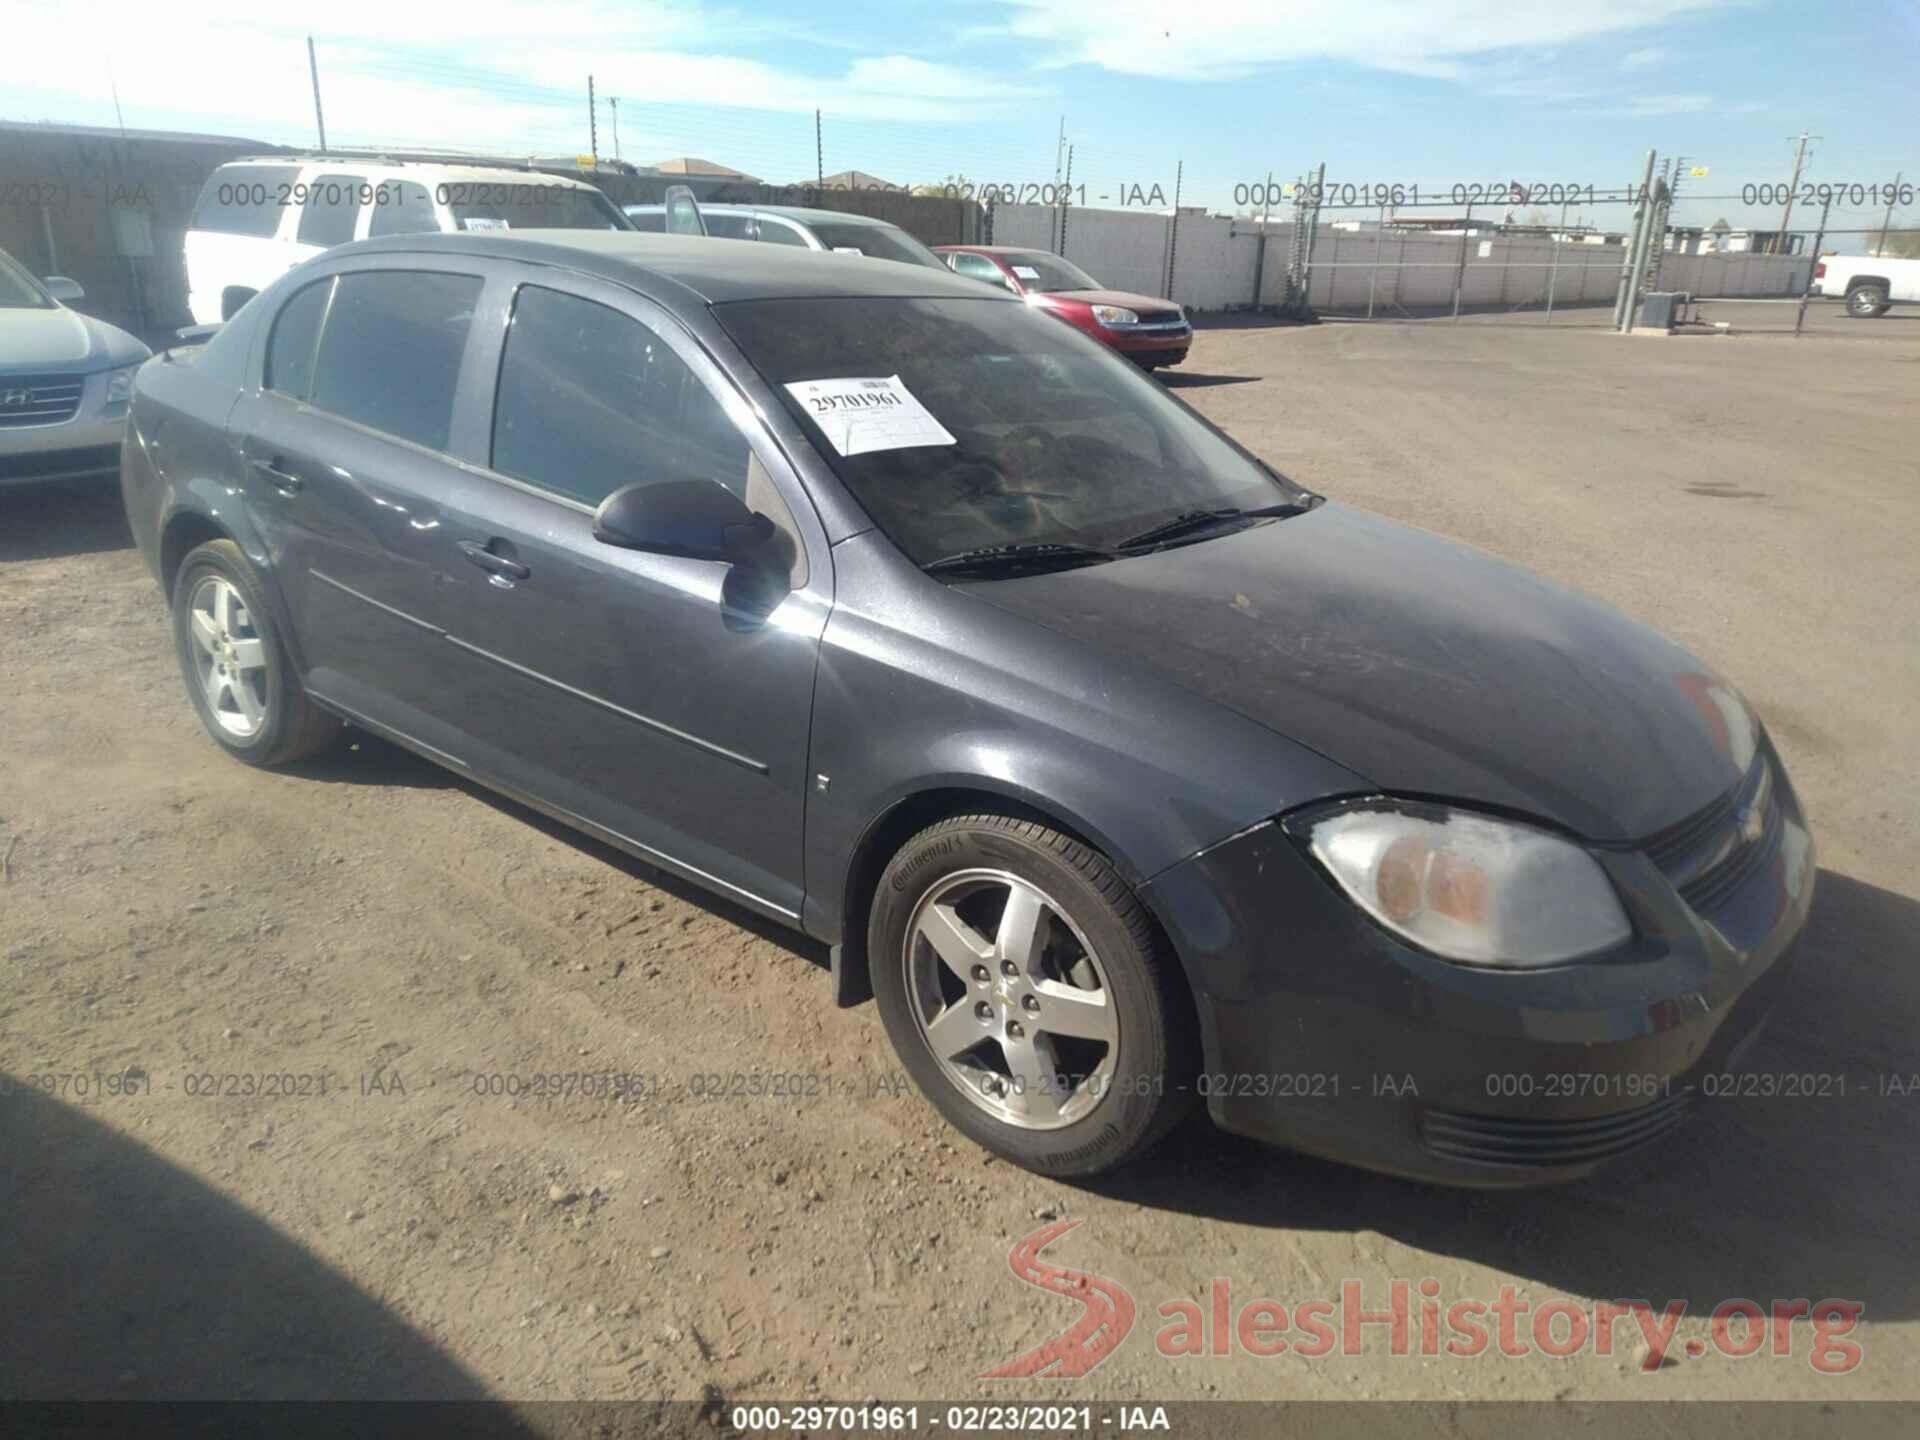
(1030, 995)
(1864, 302)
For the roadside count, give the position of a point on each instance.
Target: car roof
(997, 250)
(685, 268)
(496, 174)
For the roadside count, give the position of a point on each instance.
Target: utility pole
(614, 101)
(1886, 225)
(1059, 149)
(1799, 160)
(593, 123)
(319, 120)
(819, 158)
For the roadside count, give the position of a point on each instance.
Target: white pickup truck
(1870, 283)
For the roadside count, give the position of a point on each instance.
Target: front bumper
(1151, 345)
(84, 446)
(1326, 1033)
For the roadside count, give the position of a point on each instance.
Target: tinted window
(402, 208)
(591, 400)
(1054, 436)
(979, 267)
(390, 357)
(290, 349)
(244, 199)
(778, 232)
(527, 205)
(728, 227)
(332, 205)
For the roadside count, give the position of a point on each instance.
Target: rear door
(342, 445)
(666, 701)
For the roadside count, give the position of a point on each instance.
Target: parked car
(256, 219)
(1871, 284)
(801, 228)
(1147, 331)
(1122, 768)
(65, 379)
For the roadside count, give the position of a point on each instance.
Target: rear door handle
(499, 566)
(283, 481)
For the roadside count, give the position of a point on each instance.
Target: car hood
(1126, 299)
(62, 341)
(1428, 667)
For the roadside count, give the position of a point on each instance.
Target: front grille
(39, 399)
(1712, 853)
(1161, 319)
(1503, 1140)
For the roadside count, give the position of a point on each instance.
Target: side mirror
(700, 519)
(64, 289)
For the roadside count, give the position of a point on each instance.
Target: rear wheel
(1866, 301)
(238, 673)
(1029, 994)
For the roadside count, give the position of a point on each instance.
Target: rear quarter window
(244, 199)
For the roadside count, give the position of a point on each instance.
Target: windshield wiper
(1192, 522)
(1017, 557)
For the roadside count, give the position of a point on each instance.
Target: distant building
(693, 167)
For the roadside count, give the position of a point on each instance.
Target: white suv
(257, 219)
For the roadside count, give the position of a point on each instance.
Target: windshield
(882, 242)
(534, 205)
(18, 289)
(1037, 270)
(1003, 427)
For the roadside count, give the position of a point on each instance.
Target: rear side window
(332, 206)
(591, 400)
(244, 199)
(296, 333)
(390, 357)
(728, 227)
(402, 208)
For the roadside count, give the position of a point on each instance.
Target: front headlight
(1469, 887)
(1114, 315)
(120, 386)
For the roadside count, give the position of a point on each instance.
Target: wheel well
(1871, 282)
(183, 533)
(232, 298)
(883, 841)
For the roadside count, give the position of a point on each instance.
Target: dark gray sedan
(1122, 769)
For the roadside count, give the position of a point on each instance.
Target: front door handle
(282, 480)
(500, 566)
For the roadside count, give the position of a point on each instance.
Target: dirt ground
(391, 939)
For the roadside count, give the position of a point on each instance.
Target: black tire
(293, 727)
(1867, 302)
(1155, 1054)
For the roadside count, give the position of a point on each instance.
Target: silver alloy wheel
(1865, 302)
(1011, 999)
(229, 657)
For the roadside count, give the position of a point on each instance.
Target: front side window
(591, 400)
(779, 232)
(296, 335)
(402, 208)
(390, 354)
(245, 199)
(332, 206)
(1039, 434)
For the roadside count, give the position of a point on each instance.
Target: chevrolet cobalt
(1122, 770)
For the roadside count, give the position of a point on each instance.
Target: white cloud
(1226, 39)
(1641, 59)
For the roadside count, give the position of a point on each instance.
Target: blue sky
(1399, 91)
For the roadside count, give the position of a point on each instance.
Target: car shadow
(362, 758)
(129, 1279)
(1782, 1197)
(46, 520)
(1182, 380)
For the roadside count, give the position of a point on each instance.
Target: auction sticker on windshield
(1026, 272)
(875, 413)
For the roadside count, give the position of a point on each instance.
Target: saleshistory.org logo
(1414, 1320)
